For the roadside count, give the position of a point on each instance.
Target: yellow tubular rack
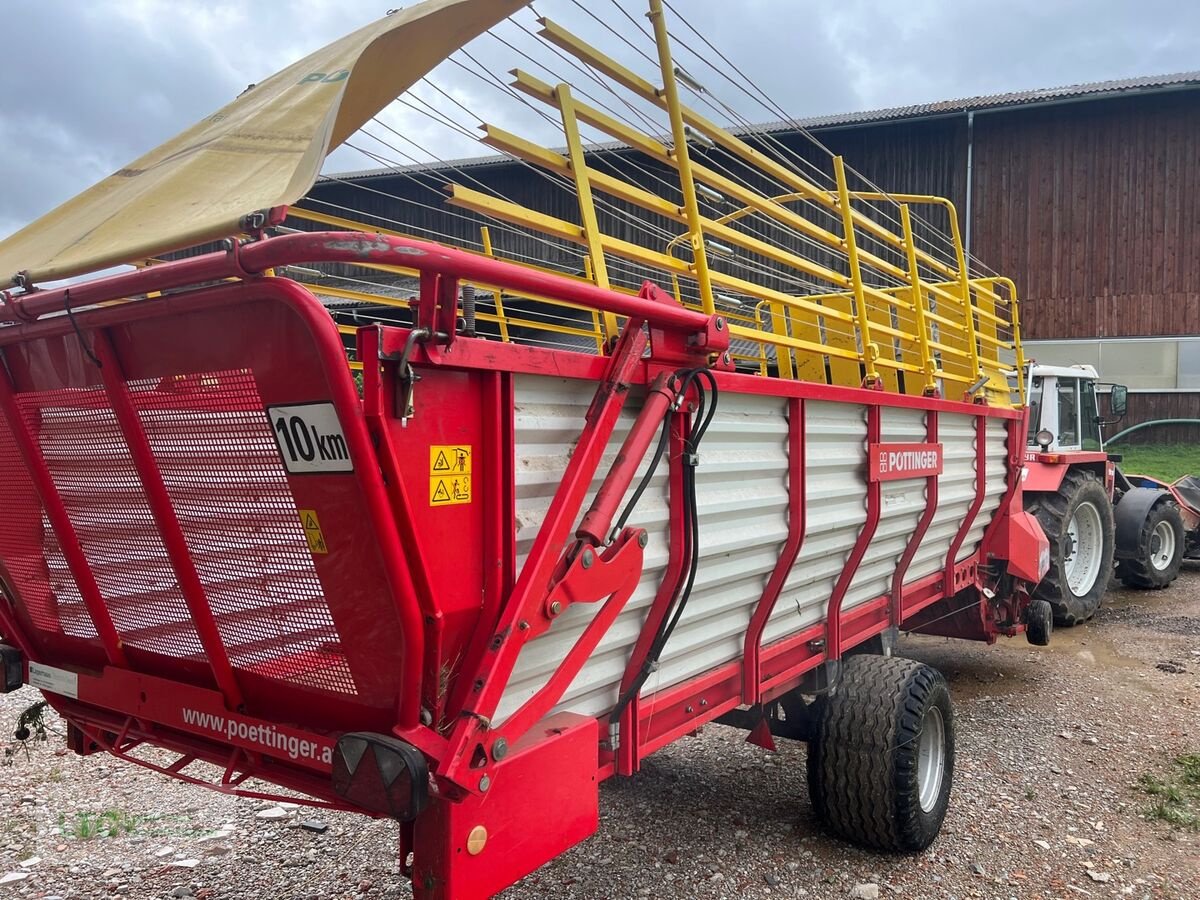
(834, 285)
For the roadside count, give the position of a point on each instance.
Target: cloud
(90, 87)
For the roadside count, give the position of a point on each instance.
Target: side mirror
(1118, 399)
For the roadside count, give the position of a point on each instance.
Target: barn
(1088, 196)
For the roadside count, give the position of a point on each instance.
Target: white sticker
(310, 438)
(56, 681)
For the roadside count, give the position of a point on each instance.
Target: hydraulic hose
(1132, 428)
(706, 407)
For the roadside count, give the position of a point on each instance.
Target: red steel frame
(467, 752)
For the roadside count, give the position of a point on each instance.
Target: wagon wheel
(881, 765)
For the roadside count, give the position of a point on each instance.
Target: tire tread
(857, 780)
(1051, 511)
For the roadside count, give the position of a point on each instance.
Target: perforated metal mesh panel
(212, 442)
(32, 554)
(221, 466)
(99, 486)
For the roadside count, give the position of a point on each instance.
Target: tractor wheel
(1078, 522)
(1160, 550)
(881, 763)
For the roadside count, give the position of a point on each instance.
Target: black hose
(706, 408)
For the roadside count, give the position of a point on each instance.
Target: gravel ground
(1051, 744)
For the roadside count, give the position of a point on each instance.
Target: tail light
(381, 774)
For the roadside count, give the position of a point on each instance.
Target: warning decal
(312, 531)
(451, 459)
(449, 474)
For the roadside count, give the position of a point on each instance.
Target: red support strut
(169, 529)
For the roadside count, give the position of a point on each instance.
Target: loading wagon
(428, 570)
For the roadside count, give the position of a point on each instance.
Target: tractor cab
(1092, 514)
(1064, 412)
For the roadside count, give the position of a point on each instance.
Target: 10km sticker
(310, 438)
(449, 474)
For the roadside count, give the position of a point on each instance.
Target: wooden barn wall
(1094, 209)
(927, 157)
(1147, 407)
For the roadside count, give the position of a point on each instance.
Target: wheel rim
(1086, 548)
(931, 759)
(1162, 546)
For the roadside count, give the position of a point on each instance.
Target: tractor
(1093, 514)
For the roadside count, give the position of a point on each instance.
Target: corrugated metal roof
(1000, 101)
(1067, 93)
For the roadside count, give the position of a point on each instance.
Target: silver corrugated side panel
(742, 498)
(835, 467)
(742, 492)
(548, 417)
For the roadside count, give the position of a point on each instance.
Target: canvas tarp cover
(264, 149)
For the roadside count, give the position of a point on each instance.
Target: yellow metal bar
(914, 200)
(841, 371)
(1013, 306)
(869, 350)
(999, 343)
(670, 94)
(309, 215)
(562, 38)
(501, 317)
(675, 287)
(819, 234)
(953, 351)
(771, 207)
(485, 237)
(740, 331)
(541, 325)
(583, 190)
(783, 356)
(351, 225)
(519, 215)
(643, 199)
(928, 366)
(763, 369)
(358, 296)
(964, 280)
(601, 333)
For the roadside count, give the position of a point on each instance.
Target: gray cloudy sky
(89, 86)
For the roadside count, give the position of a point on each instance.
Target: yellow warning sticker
(449, 474)
(448, 490)
(312, 531)
(450, 459)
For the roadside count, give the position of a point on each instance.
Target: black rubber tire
(1039, 623)
(1053, 512)
(862, 765)
(1139, 573)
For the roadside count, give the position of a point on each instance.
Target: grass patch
(86, 826)
(1166, 462)
(1175, 797)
